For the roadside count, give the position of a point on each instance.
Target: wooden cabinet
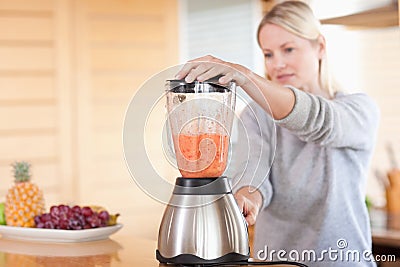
(68, 70)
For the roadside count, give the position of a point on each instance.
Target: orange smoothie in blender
(203, 155)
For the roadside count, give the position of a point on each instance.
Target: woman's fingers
(208, 67)
(192, 64)
(204, 68)
(240, 202)
(248, 209)
(226, 78)
(197, 71)
(186, 69)
(251, 219)
(211, 73)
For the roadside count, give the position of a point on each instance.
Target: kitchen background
(68, 69)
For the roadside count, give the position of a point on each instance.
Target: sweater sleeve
(347, 121)
(252, 153)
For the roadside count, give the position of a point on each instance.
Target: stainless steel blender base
(202, 224)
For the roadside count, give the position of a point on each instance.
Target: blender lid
(208, 86)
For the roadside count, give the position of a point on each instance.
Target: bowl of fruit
(23, 215)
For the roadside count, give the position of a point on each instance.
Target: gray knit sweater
(311, 168)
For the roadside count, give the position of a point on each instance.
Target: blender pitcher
(200, 116)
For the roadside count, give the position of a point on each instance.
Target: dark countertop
(385, 229)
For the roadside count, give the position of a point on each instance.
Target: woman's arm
(348, 121)
(275, 99)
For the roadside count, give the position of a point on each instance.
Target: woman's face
(290, 59)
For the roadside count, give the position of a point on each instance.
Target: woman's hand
(249, 203)
(275, 99)
(207, 67)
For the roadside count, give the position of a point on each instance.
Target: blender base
(202, 224)
(189, 259)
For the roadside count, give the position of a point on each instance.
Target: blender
(202, 223)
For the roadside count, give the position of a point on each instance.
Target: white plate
(56, 235)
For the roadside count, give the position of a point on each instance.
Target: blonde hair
(298, 18)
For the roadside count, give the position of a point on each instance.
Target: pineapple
(24, 200)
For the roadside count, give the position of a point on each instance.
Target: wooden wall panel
(111, 174)
(26, 28)
(112, 88)
(108, 145)
(103, 31)
(27, 5)
(32, 110)
(109, 117)
(27, 117)
(110, 58)
(27, 147)
(114, 64)
(16, 58)
(128, 7)
(68, 71)
(16, 88)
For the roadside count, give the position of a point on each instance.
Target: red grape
(87, 211)
(76, 209)
(104, 216)
(54, 211)
(72, 218)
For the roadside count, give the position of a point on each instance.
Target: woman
(311, 204)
